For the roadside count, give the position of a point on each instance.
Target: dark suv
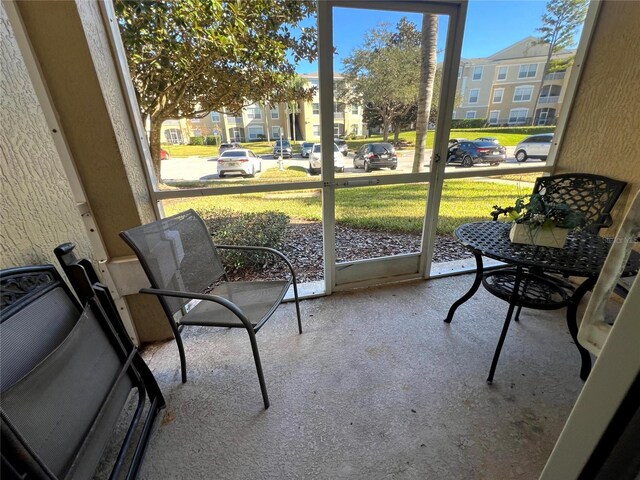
(468, 153)
(375, 155)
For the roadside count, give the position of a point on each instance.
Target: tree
(559, 25)
(371, 73)
(190, 57)
(428, 66)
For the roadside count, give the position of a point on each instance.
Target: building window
(502, 73)
(315, 82)
(316, 131)
(455, 114)
(316, 108)
(215, 117)
(173, 136)
(460, 69)
(470, 114)
(275, 131)
(254, 113)
(256, 133)
(523, 94)
(498, 93)
(477, 73)
(338, 129)
(354, 109)
(354, 128)
(518, 116)
(528, 71)
(494, 117)
(473, 95)
(275, 113)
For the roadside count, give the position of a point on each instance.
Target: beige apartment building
(504, 87)
(264, 122)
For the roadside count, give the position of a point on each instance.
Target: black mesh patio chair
(182, 264)
(67, 378)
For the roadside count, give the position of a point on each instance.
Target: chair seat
(539, 292)
(257, 300)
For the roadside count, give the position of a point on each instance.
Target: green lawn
(507, 138)
(391, 208)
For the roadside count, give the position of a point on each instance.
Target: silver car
(535, 146)
(315, 160)
(239, 160)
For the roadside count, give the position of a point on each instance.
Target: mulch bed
(303, 247)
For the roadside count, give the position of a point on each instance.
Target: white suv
(535, 146)
(315, 159)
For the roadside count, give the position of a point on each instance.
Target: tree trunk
(396, 133)
(154, 144)
(547, 64)
(428, 59)
(385, 129)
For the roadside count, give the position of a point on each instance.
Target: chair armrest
(265, 249)
(200, 296)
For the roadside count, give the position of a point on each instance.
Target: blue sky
(491, 26)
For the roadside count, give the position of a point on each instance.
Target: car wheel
(367, 167)
(393, 167)
(354, 164)
(521, 156)
(341, 170)
(493, 164)
(221, 175)
(467, 161)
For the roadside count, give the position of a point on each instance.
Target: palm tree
(428, 63)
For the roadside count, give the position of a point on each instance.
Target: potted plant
(539, 222)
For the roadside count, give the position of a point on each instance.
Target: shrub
(468, 123)
(197, 141)
(261, 137)
(210, 140)
(228, 227)
(522, 130)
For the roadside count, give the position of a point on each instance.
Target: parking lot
(205, 169)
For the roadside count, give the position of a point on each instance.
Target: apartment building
(504, 87)
(266, 122)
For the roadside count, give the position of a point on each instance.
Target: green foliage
(228, 227)
(191, 57)
(468, 123)
(560, 23)
(196, 141)
(520, 130)
(210, 140)
(536, 211)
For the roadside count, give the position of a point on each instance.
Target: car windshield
(226, 145)
(340, 142)
(382, 148)
(307, 145)
(235, 153)
(483, 143)
(284, 143)
(316, 148)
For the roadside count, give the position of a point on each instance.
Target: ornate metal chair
(594, 196)
(182, 264)
(68, 371)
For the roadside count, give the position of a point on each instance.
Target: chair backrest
(592, 195)
(62, 383)
(177, 253)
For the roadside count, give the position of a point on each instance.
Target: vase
(536, 235)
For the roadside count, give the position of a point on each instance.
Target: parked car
(228, 146)
(488, 139)
(306, 149)
(342, 146)
(285, 145)
(375, 155)
(535, 146)
(239, 160)
(468, 153)
(315, 159)
(164, 155)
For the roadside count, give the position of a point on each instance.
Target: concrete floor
(377, 387)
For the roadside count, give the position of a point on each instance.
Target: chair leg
(256, 357)
(295, 295)
(183, 360)
(517, 317)
(507, 322)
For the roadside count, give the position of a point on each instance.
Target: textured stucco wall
(602, 134)
(37, 210)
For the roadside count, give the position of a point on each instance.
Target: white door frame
(400, 267)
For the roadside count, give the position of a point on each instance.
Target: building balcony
(549, 99)
(376, 383)
(555, 76)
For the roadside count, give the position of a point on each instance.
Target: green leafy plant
(264, 229)
(534, 210)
